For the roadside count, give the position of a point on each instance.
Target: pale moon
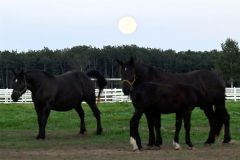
(127, 25)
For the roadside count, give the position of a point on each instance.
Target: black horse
(154, 99)
(206, 81)
(60, 93)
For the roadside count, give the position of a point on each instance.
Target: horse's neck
(34, 80)
(146, 73)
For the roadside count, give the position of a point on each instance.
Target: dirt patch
(223, 152)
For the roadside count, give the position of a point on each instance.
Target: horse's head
(19, 85)
(127, 75)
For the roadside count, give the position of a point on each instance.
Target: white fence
(233, 94)
(108, 95)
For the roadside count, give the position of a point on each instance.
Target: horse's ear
(119, 62)
(22, 72)
(13, 71)
(131, 61)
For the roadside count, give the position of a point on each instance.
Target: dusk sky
(167, 24)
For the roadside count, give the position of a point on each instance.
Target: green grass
(18, 127)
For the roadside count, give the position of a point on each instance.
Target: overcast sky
(166, 24)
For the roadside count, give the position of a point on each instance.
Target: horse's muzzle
(15, 97)
(126, 91)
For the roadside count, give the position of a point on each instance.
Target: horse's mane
(148, 67)
(41, 72)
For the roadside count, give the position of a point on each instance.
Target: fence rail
(108, 95)
(233, 94)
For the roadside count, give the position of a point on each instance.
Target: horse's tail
(222, 116)
(101, 81)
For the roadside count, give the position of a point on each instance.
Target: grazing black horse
(206, 81)
(60, 93)
(155, 99)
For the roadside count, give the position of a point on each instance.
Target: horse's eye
(16, 80)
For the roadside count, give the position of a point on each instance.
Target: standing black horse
(206, 81)
(154, 99)
(60, 93)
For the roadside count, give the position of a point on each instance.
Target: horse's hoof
(176, 146)
(156, 147)
(134, 144)
(150, 144)
(40, 137)
(136, 150)
(208, 143)
(191, 148)
(227, 140)
(99, 131)
(152, 148)
(82, 132)
(231, 142)
(149, 147)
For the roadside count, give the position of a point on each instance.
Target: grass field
(18, 128)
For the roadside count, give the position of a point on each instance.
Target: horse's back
(210, 83)
(73, 80)
(207, 81)
(74, 86)
(207, 77)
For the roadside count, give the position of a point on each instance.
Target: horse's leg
(81, 115)
(187, 126)
(151, 140)
(157, 126)
(178, 126)
(227, 137)
(223, 118)
(135, 139)
(42, 114)
(96, 112)
(208, 110)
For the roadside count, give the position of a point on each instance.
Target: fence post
(105, 96)
(235, 94)
(122, 97)
(5, 95)
(25, 97)
(115, 95)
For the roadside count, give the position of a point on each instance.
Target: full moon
(127, 25)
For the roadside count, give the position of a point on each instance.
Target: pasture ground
(18, 128)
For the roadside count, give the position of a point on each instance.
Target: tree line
(83, 58)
